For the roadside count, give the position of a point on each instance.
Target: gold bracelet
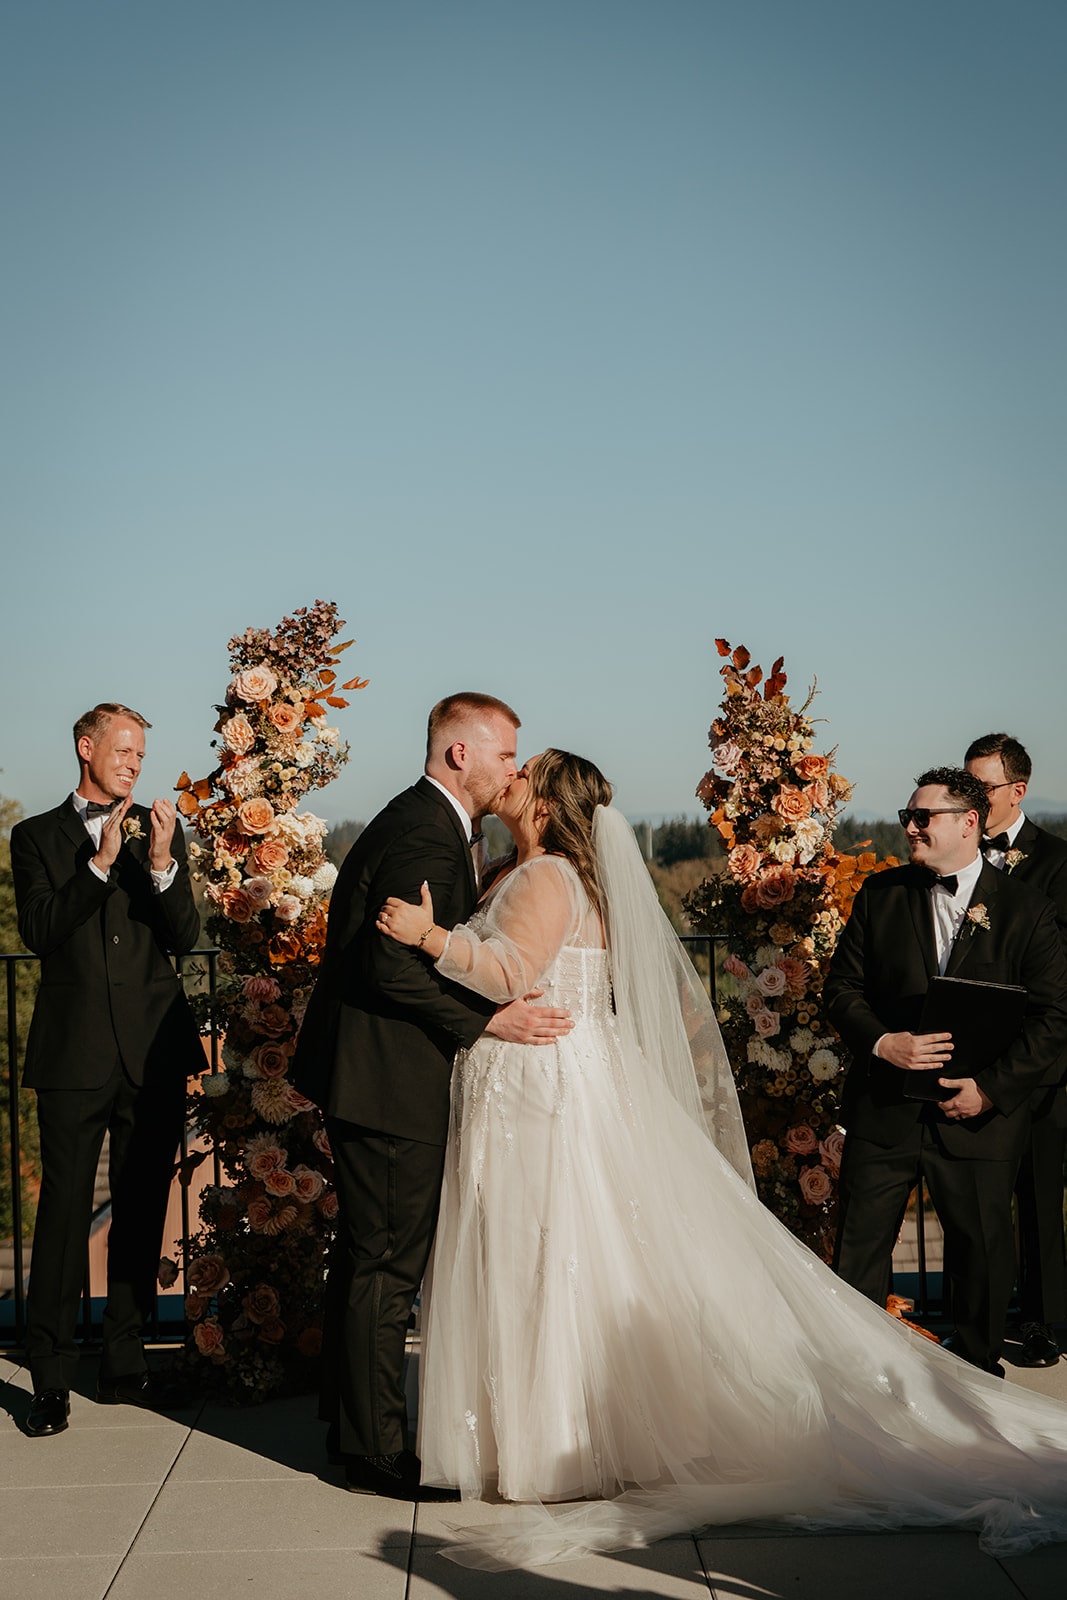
(422, 940)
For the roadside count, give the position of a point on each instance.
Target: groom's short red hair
(458, 708)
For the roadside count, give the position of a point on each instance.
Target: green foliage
(340, 839)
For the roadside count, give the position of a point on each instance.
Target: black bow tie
(92, 809)
(951, 882)
(476, 838)
(999, 841)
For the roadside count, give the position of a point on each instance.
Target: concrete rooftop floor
(212, 1502)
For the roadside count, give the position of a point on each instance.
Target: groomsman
(1031, 855)
(104, 899)
(948, 911)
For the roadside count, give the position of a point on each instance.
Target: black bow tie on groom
(999, 841)
(951, 882)
(93, 809)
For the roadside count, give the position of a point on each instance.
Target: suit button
(114, 938)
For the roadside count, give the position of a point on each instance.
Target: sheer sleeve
(526, 925)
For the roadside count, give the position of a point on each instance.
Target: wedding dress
(612, 1317)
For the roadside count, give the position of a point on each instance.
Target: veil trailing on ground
(661, 1003)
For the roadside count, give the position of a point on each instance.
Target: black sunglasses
(921, 815)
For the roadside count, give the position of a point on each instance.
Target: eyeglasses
(991, 787)
(921, 815)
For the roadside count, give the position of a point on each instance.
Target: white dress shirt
(94, 827)
(949, 910)
(997, 858)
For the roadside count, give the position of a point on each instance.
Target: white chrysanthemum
(302, 886)
(304, 754)
(325, 877)
(823, 1065)
(766, 955)
(242, 780)
(801, 1040)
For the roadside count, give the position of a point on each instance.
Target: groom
(953, 913)
(375, 1052)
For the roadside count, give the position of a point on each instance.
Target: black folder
(983, 1019)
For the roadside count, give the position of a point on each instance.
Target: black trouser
(972, 1199)
(388, 1192)
(1039, 1206)
(145, 1126)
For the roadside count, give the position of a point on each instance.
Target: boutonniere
(1012, 859)
(131, 828)
(977, 917)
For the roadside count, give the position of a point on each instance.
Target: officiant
(947, 912)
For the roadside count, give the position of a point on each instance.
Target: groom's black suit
(111, 1044)
(1039, 1186)
(877, 982)
(375, 1052)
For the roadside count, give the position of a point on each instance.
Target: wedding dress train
(614, 1319)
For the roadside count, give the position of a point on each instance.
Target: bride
(612, 1317)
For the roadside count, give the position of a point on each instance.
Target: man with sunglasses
(1034, 856)
(948, 911)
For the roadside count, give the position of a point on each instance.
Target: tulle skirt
(612, 1318)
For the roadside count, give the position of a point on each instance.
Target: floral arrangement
(254, 1271)
(781, 901)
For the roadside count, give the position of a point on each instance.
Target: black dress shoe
(1039, 1348)
(136, 1389)
(49, 1411)
(396, 1477)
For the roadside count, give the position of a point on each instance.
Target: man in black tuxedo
(949, 912)
(104, 899)
(375, 1052)
(1032, 855)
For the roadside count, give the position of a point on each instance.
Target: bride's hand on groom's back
(521, 1022)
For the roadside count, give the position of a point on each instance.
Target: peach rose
(256, 815)
(238, 734)
(819, 795)
(271, 1060)
(261, 1303)
(288, 907)
(840, 787)
(743, 862)
(808, 767)
(800, 1140)
(792, 805)
(264, 1156)
(279, 1182)
(737, 968)
(771, 981)
(774, 888)
(767, 1023)
(237, 905)
(309, 1183)
(209, 1339)
(831, 1149)
(285, 716)
(260, 1212)
(766, 827)
(208, 1274)
(816, 1185)
(270, 855)
(328, 1205)
(255, 683)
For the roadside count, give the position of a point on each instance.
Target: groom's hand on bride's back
(522, 1022)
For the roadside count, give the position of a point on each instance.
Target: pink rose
(237, 905)
(321, 1140)
(773, 888)
(792, 805)
(816, 1185)
(328, 1205)
(831, 1149)
(309, 1183)
(259, 891)
(754, 1004)
(771, 981)
(265, 1159)
(818, 793)
(288, 908)
(728, 758)
(238, 735)
(737, 968)
(270, 855)
(767, 1024)
(279, 1182)
(800, 1140)
(260, 1212)
(209, 1339)
(285, 716)
(255, 683)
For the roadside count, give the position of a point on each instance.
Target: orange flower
(808, 767)
(792, 805)
(744, 862)
(237, 905)
(774, 887)
(208, 1336)
(238, 734)
(256, 815)
(270, 855)
(255, 683)
(818, 792)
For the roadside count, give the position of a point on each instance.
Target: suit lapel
(431, 792)
(923, 920)
(971, 933)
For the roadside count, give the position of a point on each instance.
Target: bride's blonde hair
(571, 788)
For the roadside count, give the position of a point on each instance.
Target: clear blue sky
(550, 340)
